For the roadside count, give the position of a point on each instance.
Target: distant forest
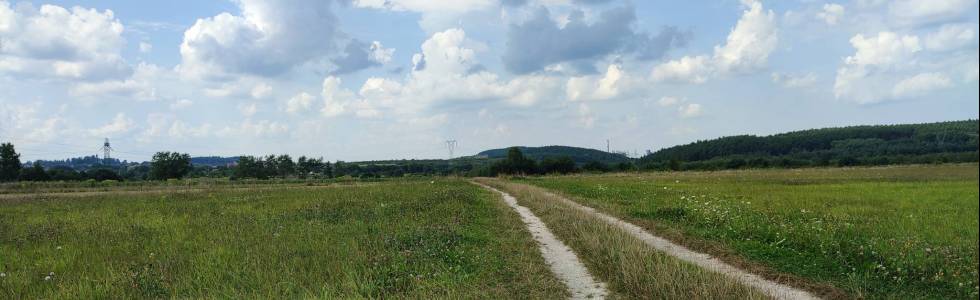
(846, 146)
(82, 163)
(580, 156)
(945, 142)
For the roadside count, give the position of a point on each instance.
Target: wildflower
(2, 274)
(59, 248)
(46, 278)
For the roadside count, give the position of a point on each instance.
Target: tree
(311, 166)
(34, 173)
(271, 168)
(303, 167)
(561, 165)
(9, 163)
(64, 173)
(735, 163)
(103, 174)
(595, 166)
(167, 165)
(515, 163)
(624, 166)
(250, 167)
(285, 166)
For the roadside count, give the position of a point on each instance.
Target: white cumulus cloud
(300, 103)
(920, 84)
(604, 87)
(746, 50)
(751, 41)
(886, 49)
(917, 12)
(794, 80)
(868, 76)
(951, 37)
(691, 110)
(268, 38)
(120, 124)
(52, 41)
(831, 13)
(693, 69)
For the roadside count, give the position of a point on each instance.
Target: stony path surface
(563, 262)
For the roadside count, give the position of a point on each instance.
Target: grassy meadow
(398, 239)
(885, 232)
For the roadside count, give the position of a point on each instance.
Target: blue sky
(380, 79)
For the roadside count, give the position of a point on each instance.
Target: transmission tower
(451, 144)
(106, 150)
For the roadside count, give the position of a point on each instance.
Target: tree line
(174, 165)
(516, 163)
(848, 146)
(165, 165)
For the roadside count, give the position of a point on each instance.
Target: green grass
(172, 184)
(397, 239)
(892, 232)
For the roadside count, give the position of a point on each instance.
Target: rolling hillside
(954, 141)
(579, 155)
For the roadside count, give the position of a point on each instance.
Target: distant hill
(579, 155)
(856, 145)
(213, 161)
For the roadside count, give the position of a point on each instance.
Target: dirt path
(563, 262)
(770, 288)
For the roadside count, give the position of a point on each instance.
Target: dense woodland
(848, 146)
(580, 156)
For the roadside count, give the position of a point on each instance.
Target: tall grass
(893, 232)
(400, 239)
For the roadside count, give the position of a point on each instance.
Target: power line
(106, 150)
(451, 144)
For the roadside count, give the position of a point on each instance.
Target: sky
(394, 79)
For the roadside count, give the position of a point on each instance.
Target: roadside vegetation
(442, 238)
(886, 232)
